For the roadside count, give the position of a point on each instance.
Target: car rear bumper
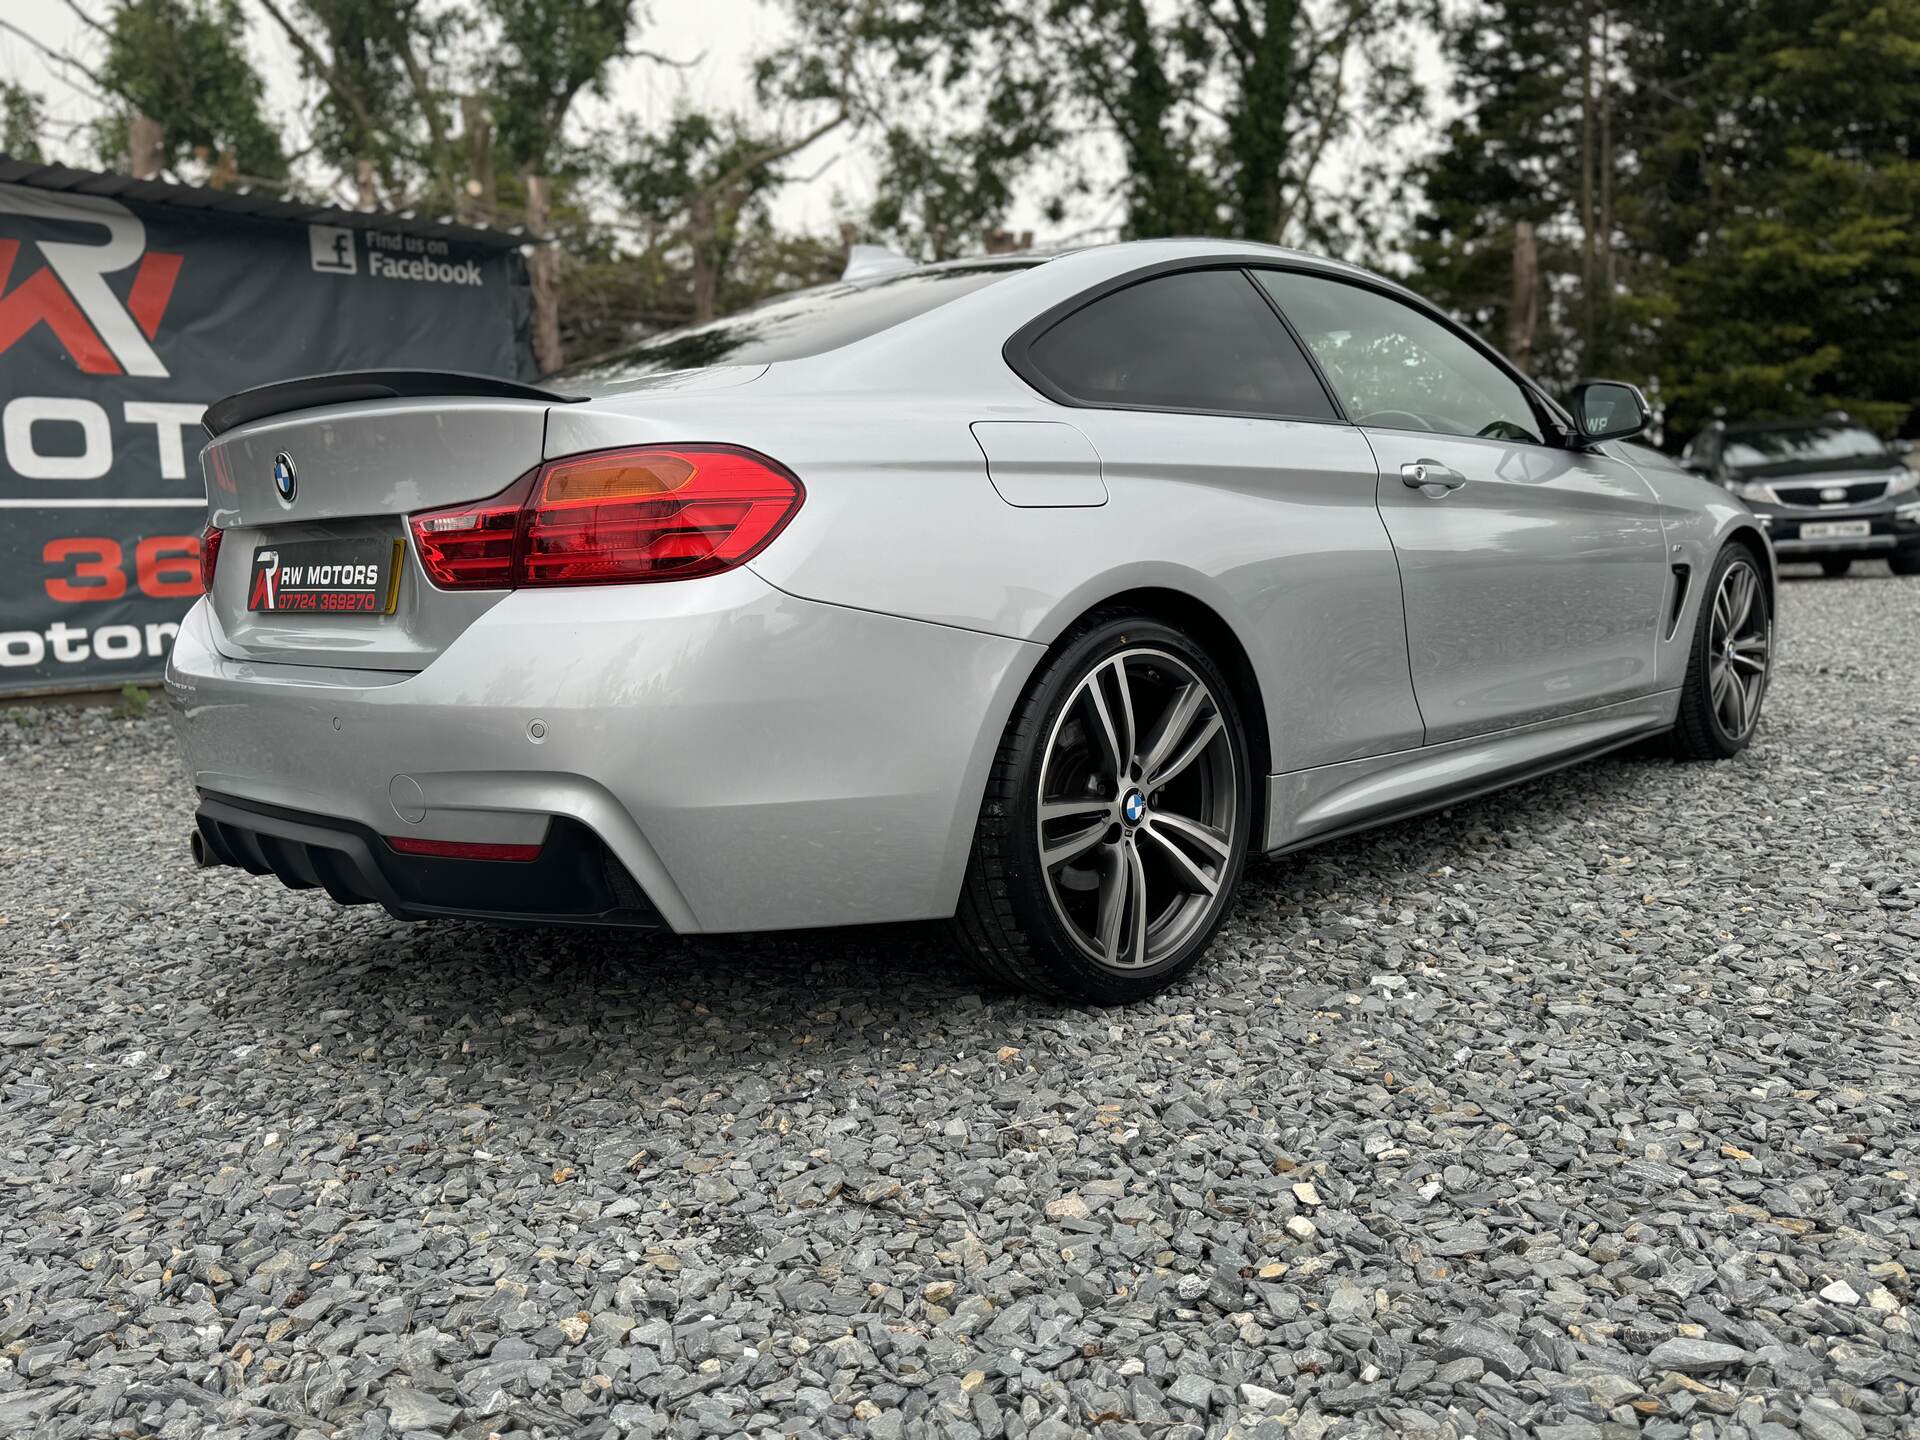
(749, 760)
(575, 879)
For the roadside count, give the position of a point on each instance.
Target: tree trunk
(1610, 260)
(702, 227)
(540, 272)
(146, 147)
(1587, 266)
(364, 179)
(483, 193)
(1523, 312)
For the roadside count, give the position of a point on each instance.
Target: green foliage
(1220, 115)
(1784, 207)
(22, 114)
(544, 54)
(184, 64)
(1513, 155)
(376, 105)
(1764, 247)
(134, 702)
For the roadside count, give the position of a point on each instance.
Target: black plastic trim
(575, 881)
(285, 396)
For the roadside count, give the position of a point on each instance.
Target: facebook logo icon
(333, 249)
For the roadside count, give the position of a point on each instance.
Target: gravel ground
(1584, 1111)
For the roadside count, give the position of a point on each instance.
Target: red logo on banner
(69, 295)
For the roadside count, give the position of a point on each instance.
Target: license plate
(326, 577)
(1836, 530)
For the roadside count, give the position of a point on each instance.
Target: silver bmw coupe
(1029, 593)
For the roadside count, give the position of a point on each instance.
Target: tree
(182, 67)
(1221, 113)
(1780, 151)
(22, 118)
(1518, 233)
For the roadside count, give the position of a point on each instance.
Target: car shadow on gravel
(853, 986)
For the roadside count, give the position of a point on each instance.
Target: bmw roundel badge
(1134, 807)
(285, 480)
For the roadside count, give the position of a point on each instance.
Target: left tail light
(654, 512)
(209, 557)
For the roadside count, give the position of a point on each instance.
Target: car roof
(1807, 422)
(1126, 254)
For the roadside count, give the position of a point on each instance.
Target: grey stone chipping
(1575, 1111)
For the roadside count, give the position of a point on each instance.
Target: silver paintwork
(806, 741)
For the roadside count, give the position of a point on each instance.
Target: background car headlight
(1903, 480)
(1754, 490)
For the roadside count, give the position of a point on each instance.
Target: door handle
(1418, 473)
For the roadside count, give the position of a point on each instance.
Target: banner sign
(119, 324)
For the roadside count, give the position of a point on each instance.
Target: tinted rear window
(1194, 340)
(809, 322)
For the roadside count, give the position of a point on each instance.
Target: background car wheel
(1905, 562)
(1731, 662)
(1116, 819)
(1834, 569)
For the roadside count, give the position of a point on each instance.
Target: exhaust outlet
(197, 845)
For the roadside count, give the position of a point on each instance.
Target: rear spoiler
(284, 396)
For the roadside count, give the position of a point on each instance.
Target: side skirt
(1305, 807)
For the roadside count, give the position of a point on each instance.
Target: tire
(1834, 569)
(1070, 926)
(1905, 562)
(1714, 723)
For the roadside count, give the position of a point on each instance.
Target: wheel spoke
(1742, 604)
(1195, 747)
(1071, 809)
(1114, 882)
(1181, 712)
(1137, 950)
(1215, 843)
(1070, 847)
(1116, 757)
(1754, 662)
(1129, 734)
(1184, 866)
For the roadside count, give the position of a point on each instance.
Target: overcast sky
(722, 37)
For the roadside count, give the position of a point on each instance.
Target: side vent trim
(1682, 583)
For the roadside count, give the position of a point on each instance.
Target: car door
(1223, 453)
(1533, 575)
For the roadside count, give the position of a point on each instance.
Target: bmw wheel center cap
(1134, 807)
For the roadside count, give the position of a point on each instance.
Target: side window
(1194, 340)
(1398, 369)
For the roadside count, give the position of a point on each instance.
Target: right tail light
(652, 512)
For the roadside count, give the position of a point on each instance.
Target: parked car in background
(1828, 490)
(1035, 594)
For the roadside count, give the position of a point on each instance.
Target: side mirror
(1609, 410)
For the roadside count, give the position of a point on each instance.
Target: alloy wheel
(1138, 809)
(1739, 650)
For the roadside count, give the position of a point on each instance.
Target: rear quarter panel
(900, 517)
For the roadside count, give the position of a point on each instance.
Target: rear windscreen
(791, 327)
